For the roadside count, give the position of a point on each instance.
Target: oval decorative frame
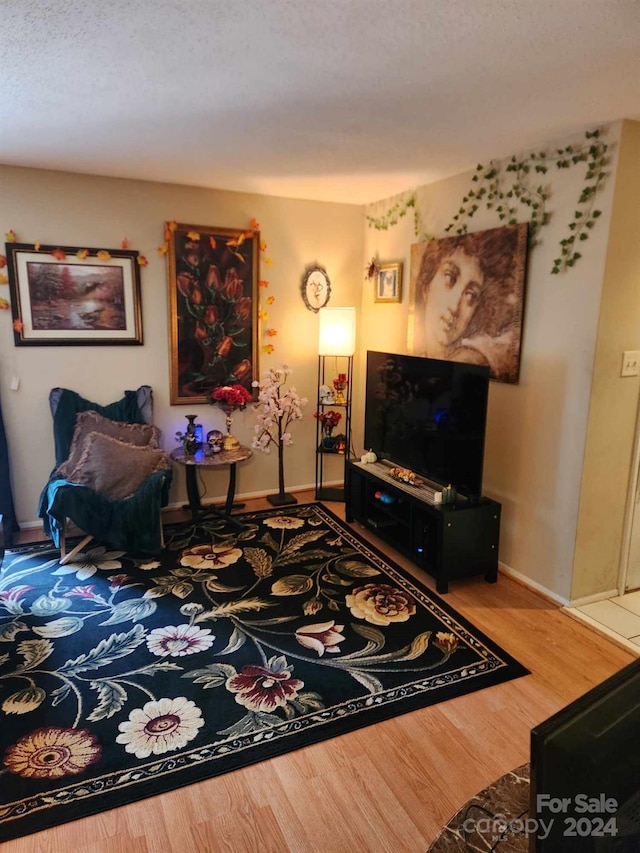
(315, 288)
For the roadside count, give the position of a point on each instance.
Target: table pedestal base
(201, 460)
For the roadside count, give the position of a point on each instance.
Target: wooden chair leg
(67, 558)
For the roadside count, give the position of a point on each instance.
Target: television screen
(428, 415)
(585, 772)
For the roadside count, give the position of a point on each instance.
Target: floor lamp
(336, 340)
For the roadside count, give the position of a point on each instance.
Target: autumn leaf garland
(60, 255)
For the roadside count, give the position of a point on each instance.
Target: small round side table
(203, 458)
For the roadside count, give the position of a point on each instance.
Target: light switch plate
(630, 363)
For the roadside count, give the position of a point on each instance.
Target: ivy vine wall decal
(511, 186)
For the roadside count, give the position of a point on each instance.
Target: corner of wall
(613, 405)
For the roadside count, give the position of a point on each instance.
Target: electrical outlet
(630, 363)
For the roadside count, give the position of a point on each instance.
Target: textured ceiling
(336, 100)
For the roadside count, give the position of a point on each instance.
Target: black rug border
(105, 799)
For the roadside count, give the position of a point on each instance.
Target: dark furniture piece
(7, 508)
(131, 524)
(204, 459)
(490, 820)
(343, 430)
(446, 540)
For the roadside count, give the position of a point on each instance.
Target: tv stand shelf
(446, 540)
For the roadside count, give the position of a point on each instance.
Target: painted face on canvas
(452, 298)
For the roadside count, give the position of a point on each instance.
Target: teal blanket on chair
(133, 524)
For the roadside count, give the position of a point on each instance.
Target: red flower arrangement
(329, 419)
(230, 397)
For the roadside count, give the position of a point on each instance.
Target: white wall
(85, 211)
(537, 428)
(607, 478)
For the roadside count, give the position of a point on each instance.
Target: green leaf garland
(507, 186)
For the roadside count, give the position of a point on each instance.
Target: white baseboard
(37, 524)
(30, 525)
(589, 599)
(531, 584)
(245, 496)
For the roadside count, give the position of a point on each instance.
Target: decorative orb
(215, 440)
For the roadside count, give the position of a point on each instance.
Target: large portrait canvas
(467, 297)
(213, 284)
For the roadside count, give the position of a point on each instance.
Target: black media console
(446, 540)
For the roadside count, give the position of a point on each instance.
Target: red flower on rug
(261, 688)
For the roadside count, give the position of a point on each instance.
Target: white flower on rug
(321, 637)
(178, 640)
(210, 556)
(148, 565)
(284, 522)
(160, 727)
(380, 604)
(88, 562)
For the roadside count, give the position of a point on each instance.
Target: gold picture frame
(213, 310)
(388, 282)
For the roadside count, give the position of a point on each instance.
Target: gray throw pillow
(141, 435)
(114, 468)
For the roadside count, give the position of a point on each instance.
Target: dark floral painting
(213, 283)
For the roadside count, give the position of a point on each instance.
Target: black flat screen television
(585, 772)
(430, 416)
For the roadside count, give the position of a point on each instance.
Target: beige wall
(536, 429)
(80, 210)
(614, 399)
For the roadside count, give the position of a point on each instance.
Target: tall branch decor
(507, 186)
(277, 406)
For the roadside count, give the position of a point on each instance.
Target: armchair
(110, 488)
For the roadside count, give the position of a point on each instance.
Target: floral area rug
(122, 677)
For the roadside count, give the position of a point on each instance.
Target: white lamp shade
(337, 331)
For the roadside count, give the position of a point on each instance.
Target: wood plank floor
(387, 787)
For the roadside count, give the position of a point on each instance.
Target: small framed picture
(388, 283)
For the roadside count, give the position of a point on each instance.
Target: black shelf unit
(446, 540)
(328, 368)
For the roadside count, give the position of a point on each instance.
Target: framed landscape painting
(213, 309)
(63, 295)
